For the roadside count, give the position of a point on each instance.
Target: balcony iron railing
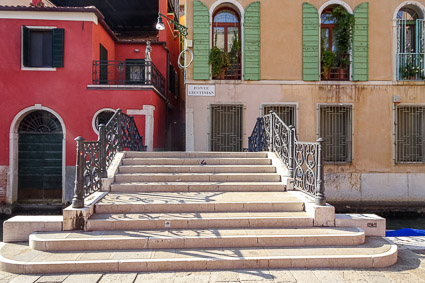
(128, 72)
(410, 67)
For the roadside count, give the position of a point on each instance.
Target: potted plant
(234, 54)
(328, 58)
(343, 39)
(219, 61)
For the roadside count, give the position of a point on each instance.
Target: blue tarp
(405, 232)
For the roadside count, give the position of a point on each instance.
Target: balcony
(410, 67)
(131, 72)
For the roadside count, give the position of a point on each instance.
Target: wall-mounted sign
(201, 90)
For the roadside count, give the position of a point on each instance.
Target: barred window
(335, 126)
(286, 112)
(410, 134)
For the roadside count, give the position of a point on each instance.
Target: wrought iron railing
(410, 66)
(94, 157)
(304, 160)
(128, 72)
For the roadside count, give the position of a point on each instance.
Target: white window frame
(35, 28)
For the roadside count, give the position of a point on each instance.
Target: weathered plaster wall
(281, 36)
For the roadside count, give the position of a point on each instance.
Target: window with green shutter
(43, 48)
(201, 41)
(252, 45)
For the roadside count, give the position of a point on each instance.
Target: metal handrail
(129, 72)
(94, 157)
(304, 160)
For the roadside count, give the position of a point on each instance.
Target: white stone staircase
(197, 211)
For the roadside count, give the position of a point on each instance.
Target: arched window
(225, 54)
(336, 36)
(410, 44)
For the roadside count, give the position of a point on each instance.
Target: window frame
(350, 157)
(281, 104)
(225, 26)
(395, 134)
(95, 116)
(407, 59)
(35, 28)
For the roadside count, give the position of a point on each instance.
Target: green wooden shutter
(252, 42)
(361, 43)
(25, 45)
(58, 46)
(311, 60)
(201, 41)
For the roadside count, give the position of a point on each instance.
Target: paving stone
(224, 276)
(152, 277)
(52, 278)
(350, 276)
(304, 275)
(83, 277)
(282, 276)
(327, 275)
(15, 278)
(374, 276)
(118, 277)
(25, 278)
(404, 277)
(255, 275)
(193, 277)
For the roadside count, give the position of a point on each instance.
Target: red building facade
(63, 71)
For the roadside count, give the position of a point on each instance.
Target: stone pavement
(409, 268)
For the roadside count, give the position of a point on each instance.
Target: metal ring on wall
(179, 58)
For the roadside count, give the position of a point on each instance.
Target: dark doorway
(40, 158)
(103, 57)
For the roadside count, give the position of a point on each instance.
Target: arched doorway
(40, 158)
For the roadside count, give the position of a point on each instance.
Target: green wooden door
(40, 166)
(40, 157)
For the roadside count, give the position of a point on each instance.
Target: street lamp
(160, 25)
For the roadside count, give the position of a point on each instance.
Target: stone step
(195, 154)
(197, 187)
(198, 177)
(196, 161)
(198, 220)
(198, 202)
(196, 238)
(374, 253)
(197, 169)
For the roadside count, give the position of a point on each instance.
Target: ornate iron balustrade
(128, 72)
(94, 157)
(304, 160)
(410, 66)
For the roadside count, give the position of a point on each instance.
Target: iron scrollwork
(304, 160)
(94, 157)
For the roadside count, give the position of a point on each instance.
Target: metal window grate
(285, 112)
(410, 134)
(335, 126)
(226, 127)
